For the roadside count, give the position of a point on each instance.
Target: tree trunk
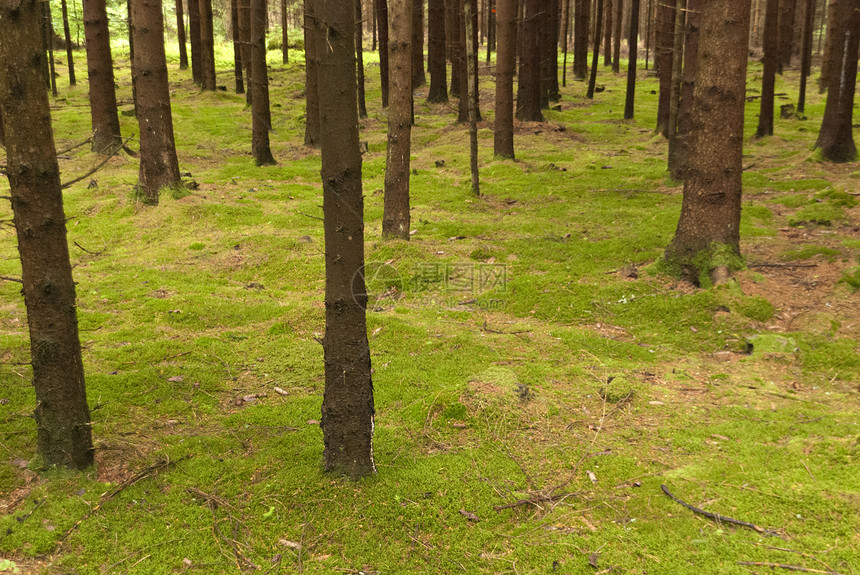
(663, 59)
(455, 24)
(616, 49)
(472, 58)
(835, 137)
(159, 167)
(68, 35)
(373, 19)
(180, 35)
(706, 242)
(830, 47)
(418, 77)
(285, 34)
(648, 26)
(62, 417)
(261, 123)
(359, 61)
(382, 27)
(312, 99)
(598, 22)
(506, 30)
(462, 65)
(580, 39)
(679, 146)
(607, 33)
(237, 47)
(436, 52)
(194, 36)
(347, 407)
(43, 53)
(633, 43)
(106, 134)
(768, 81)
(565, 29)
(207, 46)
(806, 52)
(131, 55)
(49, 34)
(677, 72)
(786, 33)
(395, 218)
(528, 87)
(244, 10)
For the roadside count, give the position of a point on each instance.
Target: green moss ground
(574, 375)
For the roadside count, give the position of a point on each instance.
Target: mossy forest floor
(522, 351)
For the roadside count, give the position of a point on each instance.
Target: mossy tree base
(705, 267)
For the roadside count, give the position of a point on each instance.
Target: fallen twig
(8, 279)
(536, 500)
(715, 516)
(74, 146)
(783, 566)
(776, 265)
(96, 169)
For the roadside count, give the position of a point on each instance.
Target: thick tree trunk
(706, 242)
(663, 59)
(616, 49)
(285, 34)
(418, 77)
(768, 81)
(194, 36)
(180, 35)
(312, 99)
(237, 46)
(359, 61)
(506, 30)
(106, 134)
(592, 80)
(62, 417)
(580, 38)
(528, 87)
(806, 52)
(159, 167)
(395, 217)
(786, 33)
(472, 71)
(436, 52)
(262, 117)
(633, 42)
(347, 407)
(68, 36)
(382, 27)
(679, 146)
(207, 46)
(835, 138)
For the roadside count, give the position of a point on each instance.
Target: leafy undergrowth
(534, 385)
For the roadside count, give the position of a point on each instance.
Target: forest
(429, 286)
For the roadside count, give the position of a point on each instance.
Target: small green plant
(851, 278)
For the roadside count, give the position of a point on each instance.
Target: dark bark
(786, 33)
(285, 34)
(194, 37)
(648, 28)
(359, 61)
(565, 25)
(491, 28)
(830, 50)
(677, 72)
(580, 39)
(598, 22)
(373, 19)
(180, 35)
(382, 28)
(105, 120)
(474, 60)
(237, 47)
(706, 242)
(528, 78)
(244, 10)
(679, 146)
(43, 53)
(551, 52)
(835, 138)
(64, 436)
(663, 59)
(455, 25)
(616, 48)
(436, 65)
(131, 55)
(633, 42)
(506, 30)
(49, 35)
(418, 76)
(768, 81)
(472, 71)
(347, 407)
(607, 33)
(462, 65)
(312, 99)
(68, 36)
(806, 52)
(262, 117)
(159, 167)
(395, 217)
(207, 46)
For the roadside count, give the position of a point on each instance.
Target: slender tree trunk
(347, 407)
(43, 53)
(261, 123)
(598, 22)
(237, 46)
(707, 239)
(418, 77)
(580, 39)
(768, 82)
(679, 146)
(786, 33)
(49, 33)
(633, 43)
(616, 49)
(373, 19)
(312, 99)
(68, 36)
(106, 134)
(506, 30)
(836, 138)
(382, 28)
(455, 28)
(207, 46)
(565, 30)
(194, 36)
(285, 34)
(475, 63)
(551, 23)
(244, 12)
(648, 35)
(545, 49)
(180, 35)
(830, 47)
(359, 61)
(472, 57)
(665, 42)
(395, 218)
(491, 29)
(806, 52)
(462, 64)
(436, 52)
(528, 78)
(159, 167)
(62, 417)
(677, 72)
(607, 33)
(131, 55)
